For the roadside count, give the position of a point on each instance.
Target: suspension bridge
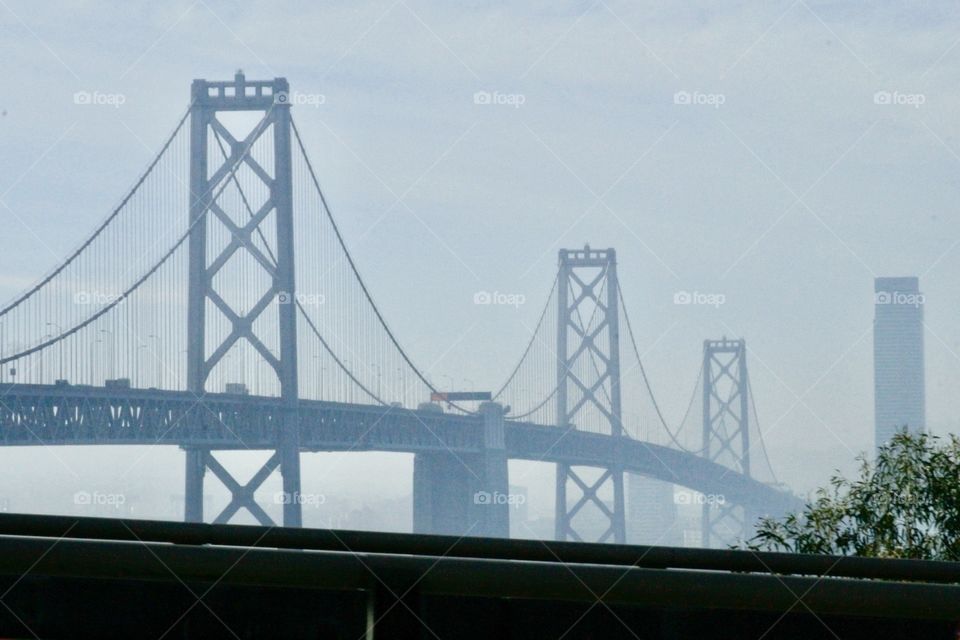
(217, 308)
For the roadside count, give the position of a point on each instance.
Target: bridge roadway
(32, 415)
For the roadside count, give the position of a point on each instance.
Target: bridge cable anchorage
(300, 307)
(127, 292)
(646, 381)
(100, 228)
(356, 273)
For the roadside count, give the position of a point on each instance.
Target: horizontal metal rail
(566, 553)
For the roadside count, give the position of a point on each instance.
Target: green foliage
(905, 504)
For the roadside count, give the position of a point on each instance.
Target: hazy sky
(786, 184)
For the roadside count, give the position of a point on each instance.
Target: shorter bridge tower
(726, 434)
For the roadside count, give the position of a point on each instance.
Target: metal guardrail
(649, 557)
(56, 564)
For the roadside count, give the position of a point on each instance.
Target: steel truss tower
(207, 177)
(588, 380)
(726, 433)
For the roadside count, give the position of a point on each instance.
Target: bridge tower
(726, 433)
(205, 350)
(588, 382)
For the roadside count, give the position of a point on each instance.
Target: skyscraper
(899, 396)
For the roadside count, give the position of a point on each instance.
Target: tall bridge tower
(588, 381)
(726, 433)
(209, 176)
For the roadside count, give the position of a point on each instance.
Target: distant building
(651, 512)
(899, 392)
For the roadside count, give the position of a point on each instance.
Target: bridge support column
(491, 500)
(464, 494)
(290, 471)
(196, 467)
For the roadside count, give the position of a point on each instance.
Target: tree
(905, 504)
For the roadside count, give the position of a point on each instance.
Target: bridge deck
(33, 415)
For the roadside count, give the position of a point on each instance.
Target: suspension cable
(274, 261)
(763, 444)
(356, 273)
(533, 337)
(129, 291)
(646, 380)
(103, 225)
